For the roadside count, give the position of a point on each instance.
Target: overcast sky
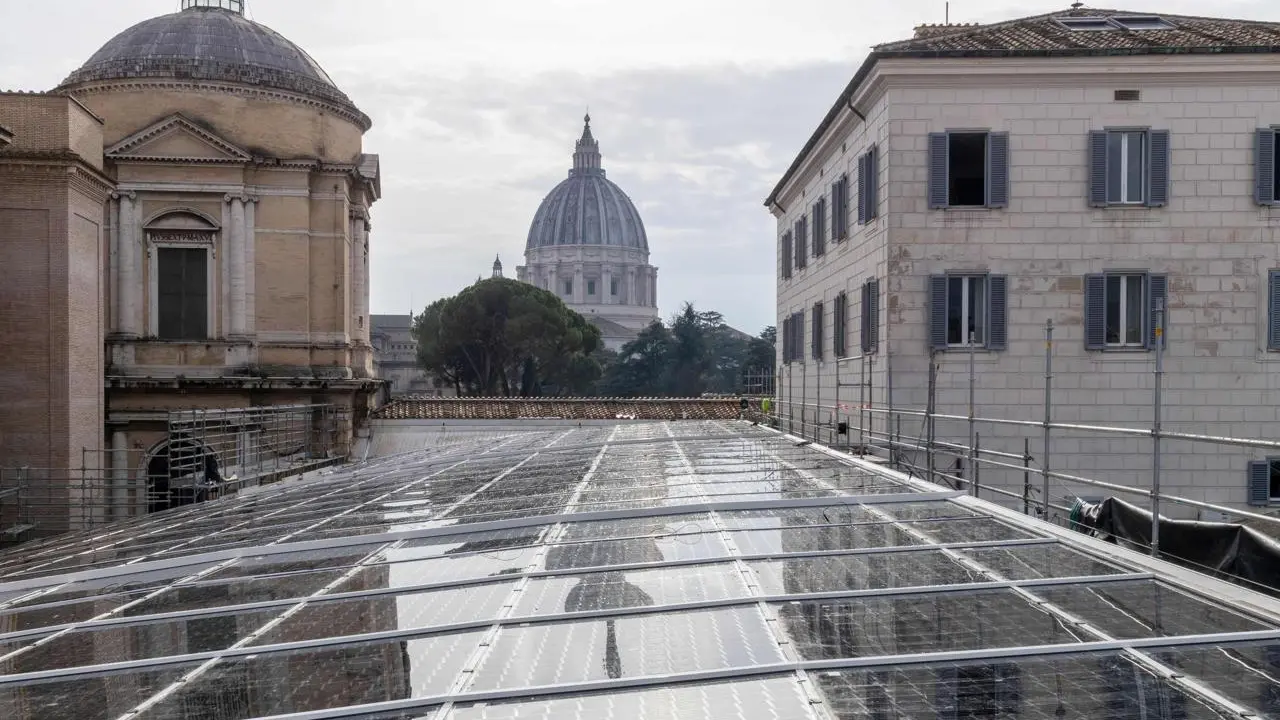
(699, 106)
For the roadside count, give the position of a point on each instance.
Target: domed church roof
(209, 40)
(587, 209)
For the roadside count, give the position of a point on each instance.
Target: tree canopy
(505, 337)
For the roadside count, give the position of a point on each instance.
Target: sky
(699, 107)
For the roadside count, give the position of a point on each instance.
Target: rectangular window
(591, 287)
(968, 169)
(868, 184)
(816, 339)
(568, 287)
(613, 287)
(839, 325)
(182, 285)
(802, 243)
(793, 337)
(1264, 482)
(820, 227)
(1129, 167)
(964, 306)
(840, 208)
(1273, 310)
(1267, 159)
(1119, 309)
(786, 255)
(870, 316)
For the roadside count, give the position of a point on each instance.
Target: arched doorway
(180, 471)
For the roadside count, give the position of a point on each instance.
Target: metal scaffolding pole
(971, 471)
(1155, 429)
(1048, 404)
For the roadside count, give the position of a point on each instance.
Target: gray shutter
(873, 315)
(873, 183)
(1098, 168)
(937, 170)
(786, 255)
(1095, 312)
(1157, 289)
(1259, 483)
(864, 334)
(1273, 310)
(1158, 168)
(1265, 162)
(998, 170)
(862, 189)
(998, 312)
(938, 311)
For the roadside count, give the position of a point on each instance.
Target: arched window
(180, 244)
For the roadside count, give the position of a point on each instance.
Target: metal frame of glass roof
(696, 569)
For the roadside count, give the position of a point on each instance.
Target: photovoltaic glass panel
(860, 572)
(1146, 608)
(93, 698)
(633, 588)
(1030, 562)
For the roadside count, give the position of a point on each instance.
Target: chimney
(934, 30)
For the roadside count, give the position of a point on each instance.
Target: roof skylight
(1115, 22)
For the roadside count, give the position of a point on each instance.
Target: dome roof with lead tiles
(587, 208)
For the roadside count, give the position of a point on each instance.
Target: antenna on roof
(946, 17)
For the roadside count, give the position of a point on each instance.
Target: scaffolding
(203, 454)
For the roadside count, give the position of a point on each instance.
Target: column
(250, 265)
(117, 298)
(130, 266)
(579, 291)
(360, 276)
(652, 272)
(235, 266)
(631, 287)
(606, 285)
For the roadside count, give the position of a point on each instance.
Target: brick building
(229, 267)
(980, 180)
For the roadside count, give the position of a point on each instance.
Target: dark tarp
(1232, 552)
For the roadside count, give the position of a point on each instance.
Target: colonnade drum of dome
(644, 570)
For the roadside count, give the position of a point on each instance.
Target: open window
(1129, 167)
(1264, 482)
(968, 169)
(1119, 309)
(968, 309)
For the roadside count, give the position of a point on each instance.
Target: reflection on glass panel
(805, 539)
(963, 530)
(1093, 687)
(824, 629)
(860, 572)
(773, 697)
(1145, 608)
(235, 592)
(797, 517)
(93, 698)
(381, 613)
(925, 510)
(629, 527)
(1248, 673)
(604, 553)
(1030, 562)
(628, 646)
(332, 677)
(285, 562)
(661, 586)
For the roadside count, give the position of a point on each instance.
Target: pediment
(177, 138)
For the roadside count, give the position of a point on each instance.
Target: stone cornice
(357, 118)
(66, 166)
(179, 122)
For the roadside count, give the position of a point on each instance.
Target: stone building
(229, 267)
(977, 181)
(395, 355)
(53, 192)
(588, 245)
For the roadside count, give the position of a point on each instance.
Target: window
(793, 337)
(591, 287)
(840, 208)
(1267, 180)
(1273, 310)
(1264, 482)
(1141, 22)
(839, 325)
(568, 287)
(613, 287)
(1128, 167)
(968, 169)
(182, 286)
(968, 305)
(868, 185)
(820, 227)
(870, 316)
(816, 340)
(1086, 23)
(786, 255)
(802, 243)
(1119, 310)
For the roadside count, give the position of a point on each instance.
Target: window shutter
(862, 189)
(998, 312)
(998, 169)
(1157, 289)
(1098, 168)
(1158, 168)
(937, 170)
(873, 183)
(870, 316)
(786, 255)
(1095, 312)
(937, 311)
(1259, 483)
(1273, 310)
(1265, 162)
(837, 326)
(815, 342)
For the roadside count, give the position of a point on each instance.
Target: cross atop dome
(586, 154)
(235, 6)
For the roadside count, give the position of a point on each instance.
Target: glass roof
(637, 571)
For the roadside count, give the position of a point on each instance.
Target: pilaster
(236, 305)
